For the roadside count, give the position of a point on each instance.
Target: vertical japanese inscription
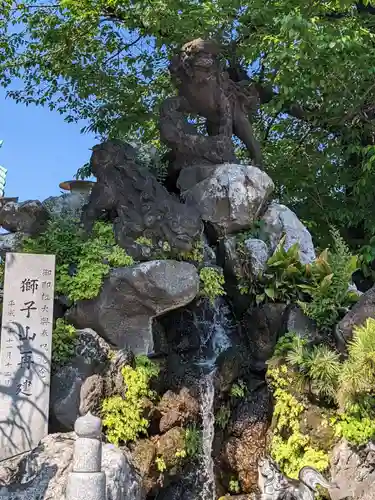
(25, 353)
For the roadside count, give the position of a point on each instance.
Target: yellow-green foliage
(348, 385)
(357, 376)
(81, 262)
(160, 464)
(329, 276)
(291, 449)
(357, 424)
(123, 418)
(64, 338)
(212, 283)
(234, 486)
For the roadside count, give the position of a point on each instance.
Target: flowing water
(215, 339)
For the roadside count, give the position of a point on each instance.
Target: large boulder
(30, 217)
(279, 220)
(43, 473)
(91, 354)
(353, 471)
(230, 198)
(363, 309)
(67, 205)
(131, 297)
(10, 242)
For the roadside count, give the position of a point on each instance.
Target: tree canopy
(105, 61)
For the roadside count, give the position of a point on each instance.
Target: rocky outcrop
(177, 409)
(261, 327)
(247, 437)
(297, 322)
(43, 473)
(363, 309)
(353, 471)
(110, 382)
(131, 297)
(30, 217)
(279, 220)
(67, 205)
(91, 354)
(230, 198)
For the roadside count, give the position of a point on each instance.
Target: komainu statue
(205, 89)
(274, 485)
(130, 196)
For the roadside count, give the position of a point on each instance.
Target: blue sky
(40, 150)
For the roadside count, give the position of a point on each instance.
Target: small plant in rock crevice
(64, 339)
(212, 283)
(160, 464)
(123, 417)
(234, 486)
(193, 441)
(238, 389)
(222, 416)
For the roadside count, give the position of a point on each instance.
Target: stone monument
(25, 357)
(87, 479)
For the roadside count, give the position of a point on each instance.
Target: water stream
(215, 339)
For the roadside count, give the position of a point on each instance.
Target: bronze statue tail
(312, 478)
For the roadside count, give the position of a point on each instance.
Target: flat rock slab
(131, 297)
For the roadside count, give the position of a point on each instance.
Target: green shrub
(357, 376)
(348, 385)
(64, 339)
(291, 449)
(320, 288)
(212, 281)
(91, 257)
(318, 367)
(357, 424)
(366, 257)
(193, 441)
(279, 282)
(123, 418)
(330, 275)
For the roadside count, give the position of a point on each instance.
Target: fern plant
(328, 287)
